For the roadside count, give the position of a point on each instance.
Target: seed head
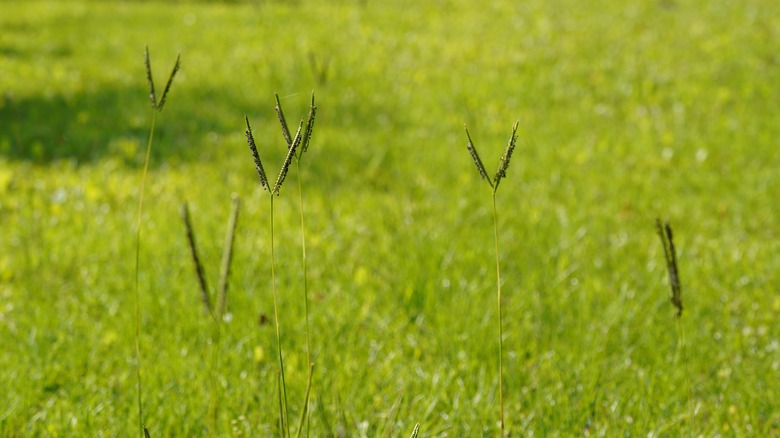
(475, 156)
(283, 121)
(286, 166)
(258, 164)
(503, 165)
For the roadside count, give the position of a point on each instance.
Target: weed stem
(500, 320)
(283, 392)
(137, 274)
(310, 366)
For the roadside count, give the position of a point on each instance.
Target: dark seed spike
(283, 121)
(674, 274)
(475, 156)
(670, 256)
(152, 96)
(170, 81)
(258, 164)
(309, 127)
(503, 165)
(204, 294)
(290, 154)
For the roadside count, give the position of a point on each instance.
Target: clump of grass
(217, 313)
(307, 133)
(157, 106)
(494, 182)
(293, 146)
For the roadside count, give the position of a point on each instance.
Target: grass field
(628, 111)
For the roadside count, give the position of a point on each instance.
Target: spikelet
(152, 96)
(286, 166)
(146, 432)
(255, 155)
(503, 165)
(283, 121)
(309, 127)
(475, 156)
(168, 84)
(416, 430)
(204, 294)
(667, 240)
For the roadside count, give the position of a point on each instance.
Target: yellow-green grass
(627, 112)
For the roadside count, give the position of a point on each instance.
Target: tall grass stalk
(309, 127)
(157, 107)
(500, 174)
(283, 406)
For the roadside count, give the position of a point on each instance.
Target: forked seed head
(168, 84)
(283, 121)
(258, 164)
(286, 166)
(152, 96)
(475, 156)
(503, 165)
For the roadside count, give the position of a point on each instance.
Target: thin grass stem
(305, 412)
(227, 257)
(137, 293)
(283, 390)
(305, 290)
(500, 320)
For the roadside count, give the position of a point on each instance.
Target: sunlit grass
(627, 112)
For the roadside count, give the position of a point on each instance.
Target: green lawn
(628, 111)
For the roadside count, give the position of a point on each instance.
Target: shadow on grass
(89, 126)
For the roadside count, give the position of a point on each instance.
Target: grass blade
(227, 256)
(415, 431)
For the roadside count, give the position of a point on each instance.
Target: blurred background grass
(628, 111)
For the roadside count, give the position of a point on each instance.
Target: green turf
(628, 111)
